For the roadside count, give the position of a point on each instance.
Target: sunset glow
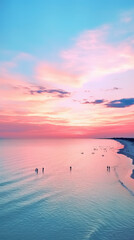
(66, 75)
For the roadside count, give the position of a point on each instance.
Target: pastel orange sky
(76, 84)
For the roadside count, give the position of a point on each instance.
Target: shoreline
(128, 149)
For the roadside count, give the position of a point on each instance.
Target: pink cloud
(127, 19)
(23, 56)
(127, 16)
(19, 105)
(92, 56)
(56, 74)
(24, 129)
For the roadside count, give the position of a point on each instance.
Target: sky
(66, 68)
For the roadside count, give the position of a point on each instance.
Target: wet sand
(128, 149)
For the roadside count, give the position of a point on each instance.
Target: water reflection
(58, 205)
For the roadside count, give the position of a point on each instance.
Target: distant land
(123, 138)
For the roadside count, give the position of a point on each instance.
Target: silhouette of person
(43, 170)
(36, 170)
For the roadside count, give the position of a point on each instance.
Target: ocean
(87, 201)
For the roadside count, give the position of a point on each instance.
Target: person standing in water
(36, 170)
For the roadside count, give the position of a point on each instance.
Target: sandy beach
(128, 149)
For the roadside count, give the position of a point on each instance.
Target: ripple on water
(88, 203)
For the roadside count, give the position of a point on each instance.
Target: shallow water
(86, 203)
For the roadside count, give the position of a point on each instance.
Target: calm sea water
(88, 202)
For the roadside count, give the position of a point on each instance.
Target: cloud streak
(25, 130)
(58, 92)
(113, 89)
(97, 101)
(121, 103)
